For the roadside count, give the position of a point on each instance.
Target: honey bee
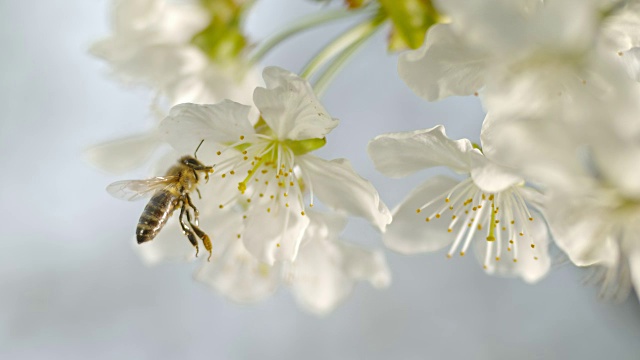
(168, 193)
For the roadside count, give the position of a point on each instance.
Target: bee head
(191, 162)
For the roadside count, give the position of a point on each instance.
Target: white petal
(577, 223)
(527, 267)
(631, 60)
(634, 267)
(409, 233)
(326, 271)
(444, 66)
(401, 154)
(275, 235)
(540, 149)
(222, 123)
(491, 177)
(121, 155)
(290, 107)
(324, 225)
(237, 274)
(618, 161)
(337, 185)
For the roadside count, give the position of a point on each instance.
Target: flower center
(504, 217)
(265, 169)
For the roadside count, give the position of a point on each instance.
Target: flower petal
(237, 274)
(326, 271)
(491, 177)
(577, 224)
(290, 107)
(274, 235)
(222, 123)
(337, 185)
(121, 155)
(401, 154)
(409, 233)
(444, 66)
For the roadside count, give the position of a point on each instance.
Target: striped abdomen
(155, 215)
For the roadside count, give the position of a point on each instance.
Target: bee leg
(202, 235)
(196, 213)
(199, 194)
(186, 230)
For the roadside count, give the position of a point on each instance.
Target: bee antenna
(196, 152)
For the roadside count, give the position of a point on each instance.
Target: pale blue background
(72, 288)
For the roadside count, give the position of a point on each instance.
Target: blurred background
(71, 287)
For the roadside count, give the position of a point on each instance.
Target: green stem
(338, 45)
(302, 25)
(341, 60)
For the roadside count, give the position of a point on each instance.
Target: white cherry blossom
(270, 163)
(520, 56)
(490, 207)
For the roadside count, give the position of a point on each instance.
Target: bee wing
(131, 190)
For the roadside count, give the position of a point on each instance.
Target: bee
(168, 193)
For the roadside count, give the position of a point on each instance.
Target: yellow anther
(224, 176)
(535, 258)
(446, 200)
(418, 211)
(453, 217)
(302, 213)
(497, 258)
(290, 183)
(221, 206)
(510, 241)
(287, 204)
(437, 216)
(521, 234)
(268, 210)
(238, 236)
(479, 226)
(513, 222)
(533, 246)
(449, 256)
(285, 194)
(232, 172)
(241, 137)
(245, 158)
(278, 244)
(515, 260)
(427, 219)
(261, 195)
(530, 219)
(461, 253)
(271, 197)
(244, 152)
(449, 230)
(248, 200)
(219, 153)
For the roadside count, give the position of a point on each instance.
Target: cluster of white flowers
(558, 162)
